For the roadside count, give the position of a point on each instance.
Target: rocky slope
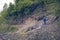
(35, 30)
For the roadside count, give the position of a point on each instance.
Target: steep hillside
(21, 10)
(35, 30)
(24, 20)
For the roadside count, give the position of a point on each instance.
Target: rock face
(45, 33)
(35, 30)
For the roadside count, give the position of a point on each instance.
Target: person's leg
(44, 21)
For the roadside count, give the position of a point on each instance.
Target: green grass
(7, 28)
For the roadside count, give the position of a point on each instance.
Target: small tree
(5, 6)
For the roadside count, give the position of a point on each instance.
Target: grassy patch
(7, 28)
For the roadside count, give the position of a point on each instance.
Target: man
(44, 19)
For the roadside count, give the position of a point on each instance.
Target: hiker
(44, 19)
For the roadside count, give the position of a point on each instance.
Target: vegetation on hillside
(23, 8)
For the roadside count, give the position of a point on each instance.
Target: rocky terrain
(35, 30)
(24, 20)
